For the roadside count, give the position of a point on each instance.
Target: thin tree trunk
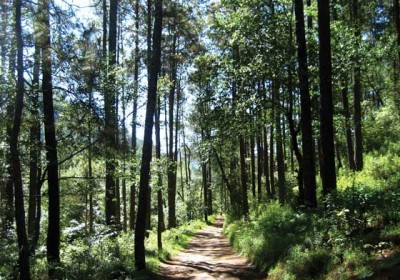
(358, 149)
(132, 214)
(160, 209)
(154, 69)
(90, 168)
(349, 140)
(205, 188)
(266, 163)
(171, 153)
(34, 153)
(243, 177)
(23, 259)
(279, 151)
(253, 165)
(259, 164)
(272, 162)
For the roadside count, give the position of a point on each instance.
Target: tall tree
(53, 231)
(34, 211)
(23, 260)
(160, 210)
(132, 212)
(154, 69)
(347, 127)
(171, 152)
(328, 171)
(307, 166)
(110, 117)
(358, 147)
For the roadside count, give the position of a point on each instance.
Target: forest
(131, 127)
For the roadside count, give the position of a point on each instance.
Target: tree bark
(266, 163)
(53, 232)
(171, 152)
(349, 140)
(260, 154)
(23, 257)
(358, 148)
(154, 69)
(34, 154)
(308, 162)
(253, 165)
(132, 213)
(110, 116)
(326, 103)
(243, 177)
(160, 209)
(272, 162)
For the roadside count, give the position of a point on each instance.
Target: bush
(306, 263)
(264, 240)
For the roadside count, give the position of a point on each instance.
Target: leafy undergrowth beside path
(353, 238)
(109, 254)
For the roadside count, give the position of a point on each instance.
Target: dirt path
(209, 256)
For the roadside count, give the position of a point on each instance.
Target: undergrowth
(110, 255)
(345, 238)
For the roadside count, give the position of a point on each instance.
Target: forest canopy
(123, 122)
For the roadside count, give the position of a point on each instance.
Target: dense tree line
(240, 103)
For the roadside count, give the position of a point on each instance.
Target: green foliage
(103, 256)
(269, 236)
(8, 255)
(307, 264)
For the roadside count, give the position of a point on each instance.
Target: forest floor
(209, 256)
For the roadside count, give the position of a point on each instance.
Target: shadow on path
(208, 256)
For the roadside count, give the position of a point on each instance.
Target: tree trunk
(253, 165)
(279, 151)
(132, 213)
(34, 153)
(272, 162)
(205, 189)
(260, 154)
(299, 156)
(326, 103)
(171, 152)
(154, 69)
(243, 177)
(308, 163)
(266, 163)
(160, 209)
(53, 232)
(23, 259)
(349, 140)
(358, 149)
(110, 116)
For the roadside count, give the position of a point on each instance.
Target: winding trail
(209, 256)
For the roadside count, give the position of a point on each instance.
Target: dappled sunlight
(208, 256)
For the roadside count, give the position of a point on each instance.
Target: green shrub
(264, 240)
(306, 263)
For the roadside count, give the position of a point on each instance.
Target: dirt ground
(209, 256)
